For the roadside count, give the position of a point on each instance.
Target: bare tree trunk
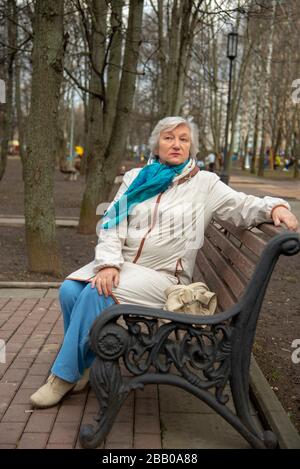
(114, 69)
(184, 55)
(61, 147)
(7, 128)
(102, 166)
(255, 110)
(266, 106)
(184, 19)
(174, 35)
(161, 76)
(215, 103)
(278, 139)
(18, 100)
(47, 61)
(95, 147)
(255, 138)
(20, 119)
(115, 149)
(83, 165)
(86, 97)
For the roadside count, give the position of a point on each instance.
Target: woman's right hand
(105, 280)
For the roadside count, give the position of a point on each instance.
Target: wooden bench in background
(207, 356)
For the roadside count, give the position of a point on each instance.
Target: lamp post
(232, 43)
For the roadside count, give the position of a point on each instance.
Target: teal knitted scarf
(151, 180)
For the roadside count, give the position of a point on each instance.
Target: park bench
(71, 169)
(208, 356)
(71, 174)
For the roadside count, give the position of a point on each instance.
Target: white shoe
(51, 393)
(83, 381)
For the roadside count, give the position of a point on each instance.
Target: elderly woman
(147, 242)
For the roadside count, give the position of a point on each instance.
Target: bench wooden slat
(230, 251)
(249, 239)
(269, 229)
(224, 269)
(224, 298)
(114, 191)
(197, 274)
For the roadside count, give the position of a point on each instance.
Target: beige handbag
(192, 299)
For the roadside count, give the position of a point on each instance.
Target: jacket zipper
(151, 227)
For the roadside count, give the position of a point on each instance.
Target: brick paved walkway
(33, 331)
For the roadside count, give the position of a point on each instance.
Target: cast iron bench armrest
(114, 312)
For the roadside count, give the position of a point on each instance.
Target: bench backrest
(228, 258)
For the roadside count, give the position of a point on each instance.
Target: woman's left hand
(283, 215)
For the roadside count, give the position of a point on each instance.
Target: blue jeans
(80, 304)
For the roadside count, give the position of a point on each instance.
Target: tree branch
(83, 88)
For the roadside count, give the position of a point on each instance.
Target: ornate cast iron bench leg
(106, 381)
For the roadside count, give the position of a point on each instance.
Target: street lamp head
(232, 43)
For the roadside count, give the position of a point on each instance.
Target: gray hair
(169, 123)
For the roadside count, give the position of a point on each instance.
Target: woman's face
(174, 145)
